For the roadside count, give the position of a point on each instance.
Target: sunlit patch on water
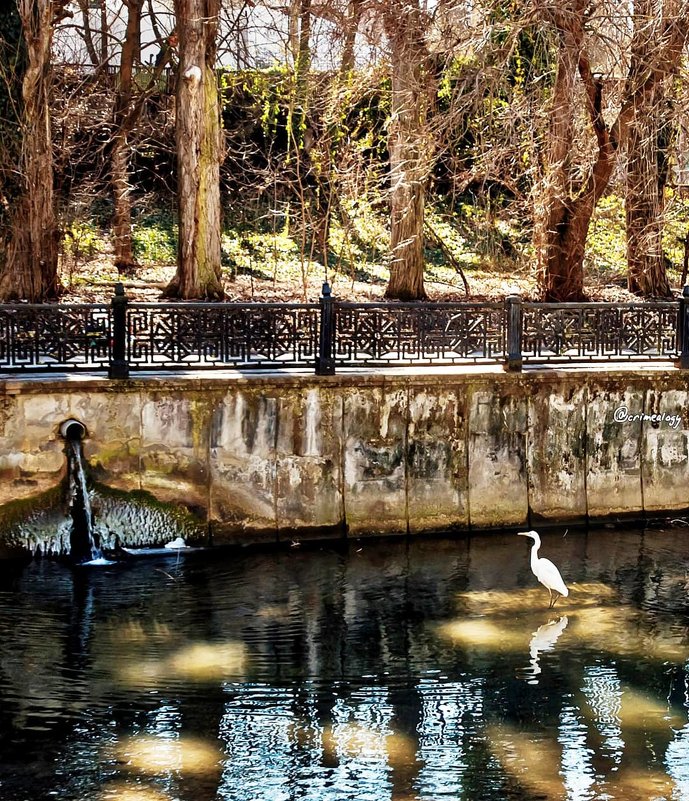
(372, 675)
(632, 784)
(532, 761)
(355, 740)
(121, 791)
(623, 629)
(522, 600)
(158, 755)
(195, 662)
(484, 633)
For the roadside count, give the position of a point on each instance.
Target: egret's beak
(523, 534)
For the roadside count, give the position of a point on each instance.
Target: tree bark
(644, 201)
(198, 154)
(30, 271)
(407, 143)
(559, 228)
(660, 34)
(355, 9)
(568, 217)
(124, 121)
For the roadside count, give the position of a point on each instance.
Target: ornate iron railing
(55, 337)
(194, 335)
(385, 334)
(121, 337)
(570, 332)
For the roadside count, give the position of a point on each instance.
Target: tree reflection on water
(426, 670)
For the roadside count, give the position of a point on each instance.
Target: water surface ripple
(427, 670)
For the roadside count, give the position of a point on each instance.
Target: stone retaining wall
(268, 456)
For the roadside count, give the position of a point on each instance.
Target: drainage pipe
(72, 429)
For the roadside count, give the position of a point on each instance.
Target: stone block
(375, 498)
(243, 466)
(666, 450)
(556, 453)
(309, 458)
(112, 446)
(498, 493)
(174, 448)
(613, 451)
(436, 460)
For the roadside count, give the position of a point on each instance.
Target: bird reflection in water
(544, 639)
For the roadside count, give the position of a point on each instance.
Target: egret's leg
(550, 593)
(556, 598)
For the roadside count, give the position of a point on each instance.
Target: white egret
(544, 570)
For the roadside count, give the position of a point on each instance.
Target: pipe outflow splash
(82, 543)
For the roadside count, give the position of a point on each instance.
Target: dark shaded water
(426, 670)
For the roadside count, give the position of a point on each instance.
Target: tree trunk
(569, 218)
(644, 201)
(31, 268)
(647, 85)
(407, 141)
(355, 10)
(198, 154)
(559, 229)
(119, 158)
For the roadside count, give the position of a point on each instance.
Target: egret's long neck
(534, 555)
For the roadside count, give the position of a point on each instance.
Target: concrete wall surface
(266, 456)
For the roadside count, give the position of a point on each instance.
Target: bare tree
(408, 145)
(125, 118)
(565, 206)
(198, 153)
(660, 35)
(30, 270)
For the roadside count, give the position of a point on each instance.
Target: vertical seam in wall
(527, 471)
(276, 435)
(467, 437)
(343, 450)
(141, 438)
(210, 417)
(640, 452)
(586, 452)
(406, 459)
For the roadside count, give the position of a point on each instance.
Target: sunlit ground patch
(121, 791)
(533, 762)
(155, 755)
(196, 662)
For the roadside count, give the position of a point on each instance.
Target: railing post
(325, 362)
(119, 368)
(513, 305)
(683, 330)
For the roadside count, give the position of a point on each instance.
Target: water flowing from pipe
(83, 546)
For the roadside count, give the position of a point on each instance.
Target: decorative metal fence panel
(412, 333)
(569, 332)
(195, 335)
(123, 336)
(51, 337)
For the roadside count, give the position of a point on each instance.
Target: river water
(427, 670)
